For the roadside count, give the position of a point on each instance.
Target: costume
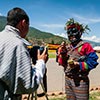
(79, 76)
(81, 59)
(15, 64)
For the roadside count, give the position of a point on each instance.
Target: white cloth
(15, 63)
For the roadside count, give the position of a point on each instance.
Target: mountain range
(35, 35)
(38, 36)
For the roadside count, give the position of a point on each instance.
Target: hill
(40, 36)
(2, 22)
(35, 35)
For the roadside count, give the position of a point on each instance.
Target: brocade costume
(76, 79)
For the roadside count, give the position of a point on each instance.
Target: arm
(29, 76)
(90, 62)
(40, 66)
(38, 71)
(91, 58)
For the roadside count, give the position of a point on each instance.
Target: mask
(74, 35)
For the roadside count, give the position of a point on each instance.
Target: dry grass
(94, 95)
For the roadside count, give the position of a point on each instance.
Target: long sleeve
(90, 62)
(15, 64)
(91, 58)
(29, 76)
(37, 72)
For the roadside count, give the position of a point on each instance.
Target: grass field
(52, 53)
(94, 95)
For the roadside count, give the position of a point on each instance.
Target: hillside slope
(36, 35)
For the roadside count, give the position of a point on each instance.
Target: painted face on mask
(75, 30)
(73, 34)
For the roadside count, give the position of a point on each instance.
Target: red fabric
(86, 49)
(62, 56)
(73, 26)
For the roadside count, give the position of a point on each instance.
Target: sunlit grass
(52, 53)
(93, 96)
(63, 98)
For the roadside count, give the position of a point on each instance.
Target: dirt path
(56, 81)
(95, 77)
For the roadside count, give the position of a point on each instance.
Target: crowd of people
(18, 75)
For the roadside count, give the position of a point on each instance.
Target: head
(18, 18)
(63, 44)
(75, 31)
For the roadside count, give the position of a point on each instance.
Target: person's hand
(43, 56)
(73, 63)
(76, 63)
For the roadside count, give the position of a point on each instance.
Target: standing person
(57, 54)
(16, 73)
(82, 58)
(62, 55)
(33, 54)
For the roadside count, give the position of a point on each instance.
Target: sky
(52, 15)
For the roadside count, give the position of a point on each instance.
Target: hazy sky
(51, 15)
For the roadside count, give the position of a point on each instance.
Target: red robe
(62, 56)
